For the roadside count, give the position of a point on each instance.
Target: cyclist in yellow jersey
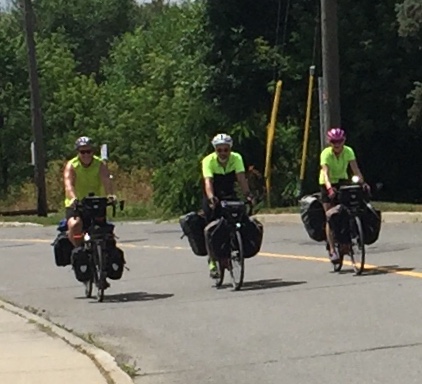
(334, 162)
(83, 174)
(220, 171)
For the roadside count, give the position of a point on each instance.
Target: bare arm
(209, 188)
(355, 169)
(326, 176)
(105, 178)
(241, 179)
(69, 176)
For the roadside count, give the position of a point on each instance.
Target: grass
(148, 212)
(135, 188)
(131, 212)
(44, 328)
(384, 206)
(130, 368)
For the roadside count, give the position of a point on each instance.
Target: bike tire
(239, 261)
(338, 266)
(219, 281)
(99, 270)
(358, 263)
(88, 288)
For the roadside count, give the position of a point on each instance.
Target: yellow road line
(345, 262)
(417, 275)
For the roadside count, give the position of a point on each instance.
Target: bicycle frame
(352, 199)
(97, 233)
(234, 213)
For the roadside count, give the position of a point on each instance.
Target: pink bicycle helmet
(336, 134)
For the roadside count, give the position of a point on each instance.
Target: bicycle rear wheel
(358, 247)
(237, 262)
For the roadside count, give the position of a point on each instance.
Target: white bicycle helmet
(82, 141)
(222, 138)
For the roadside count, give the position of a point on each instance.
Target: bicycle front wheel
(101, 277)
(237, 262)
(221, 268)
(358, 247)
(88, 287)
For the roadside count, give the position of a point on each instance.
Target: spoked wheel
(100, 274)
(357, 253)
(237, 262)
(88, 287)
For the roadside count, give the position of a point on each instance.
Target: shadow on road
(132, 241)
(380, 270)
(386, 269)
(133, 296)
(268, 284)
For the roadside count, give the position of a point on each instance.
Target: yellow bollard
(270, 139)
(307, 124)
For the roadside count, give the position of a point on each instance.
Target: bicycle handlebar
(367, 191)
(79, 205)
(237, 204)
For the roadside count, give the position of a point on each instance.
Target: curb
(102, 359)
(15, 224)
(387, 217)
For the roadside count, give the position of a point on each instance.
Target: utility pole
(330, 61)
(36, 116)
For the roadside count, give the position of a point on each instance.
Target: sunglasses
(85, 152)
(336, 141)
(221, 150)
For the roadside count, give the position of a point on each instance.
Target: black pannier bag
(313, 217)
(217, 239)
(338, 219)
(62, 249)
(115, 263)
(371, 224)
(80, 264)
(252, 232)
(193, 225)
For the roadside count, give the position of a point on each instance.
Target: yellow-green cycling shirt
(224, 177)
(87, 179)
(337, 166)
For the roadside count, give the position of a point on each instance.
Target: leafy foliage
(156, 81)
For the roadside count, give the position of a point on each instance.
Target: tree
(90, 26)
(15, 132)
(409, 14)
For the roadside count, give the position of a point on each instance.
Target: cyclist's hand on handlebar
(331, 192)
(251, 199)
(112, 198)
(212, 202)
(74, 203)
(366, 187)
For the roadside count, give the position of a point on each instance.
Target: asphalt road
(293, 322)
